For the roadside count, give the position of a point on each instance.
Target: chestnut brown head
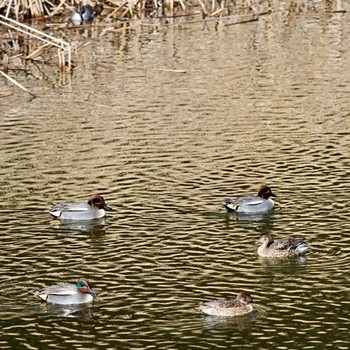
(265, 192)
(97, 202)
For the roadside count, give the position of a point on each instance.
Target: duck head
(266, 239)
(97, 202)
(85, 287)
(87, 14)
(265, 192)
(244, 298)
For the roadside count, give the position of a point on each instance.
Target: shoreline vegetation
(21, 10)
(30, 30)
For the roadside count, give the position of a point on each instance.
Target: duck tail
(230, 205)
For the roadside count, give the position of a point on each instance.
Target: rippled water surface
(262, 102)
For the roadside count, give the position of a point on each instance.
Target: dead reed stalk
(63, 46)
(128, 9)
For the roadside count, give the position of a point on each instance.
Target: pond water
(166, 121)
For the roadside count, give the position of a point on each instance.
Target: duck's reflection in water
(82, 311)
(94, 227)
(241, 322)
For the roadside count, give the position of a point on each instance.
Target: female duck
(228, 307)
(282, 248)
(252, 204)
(93, 209)
(67, 294)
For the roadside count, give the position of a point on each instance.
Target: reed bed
(128, 9)
(13, 46)
(54, 15)
(124, 9)
(21, 43)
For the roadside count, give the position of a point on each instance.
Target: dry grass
(29, 9)
(129, 9)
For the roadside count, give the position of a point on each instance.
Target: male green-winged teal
(250, 204)
(67, 293)
(93, 209)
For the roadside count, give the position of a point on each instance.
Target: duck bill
(107, 207)
(92, 292)
(272, 195)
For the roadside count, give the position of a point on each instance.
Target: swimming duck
(66, 293)
(93, 209)
(252, 204)
(86, 15)
(282, 248)
(228, 307)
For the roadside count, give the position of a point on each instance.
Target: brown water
(263, 102)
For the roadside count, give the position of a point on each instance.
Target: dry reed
(63, 46)
(116, 15)
(13, 12)
(128, 9)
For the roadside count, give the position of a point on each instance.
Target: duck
(228, 307)
(94, 209)
(250, 204)
(283, 247)
(86, 15)
(67, 293)
(75, 17)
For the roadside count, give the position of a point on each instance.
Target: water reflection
(254, 217)
(13, 311)
(257, 223)
(240, 322)
(287, 261)
(94, 227)
(81, 311)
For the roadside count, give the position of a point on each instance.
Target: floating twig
(6, 93)
(160, 69)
